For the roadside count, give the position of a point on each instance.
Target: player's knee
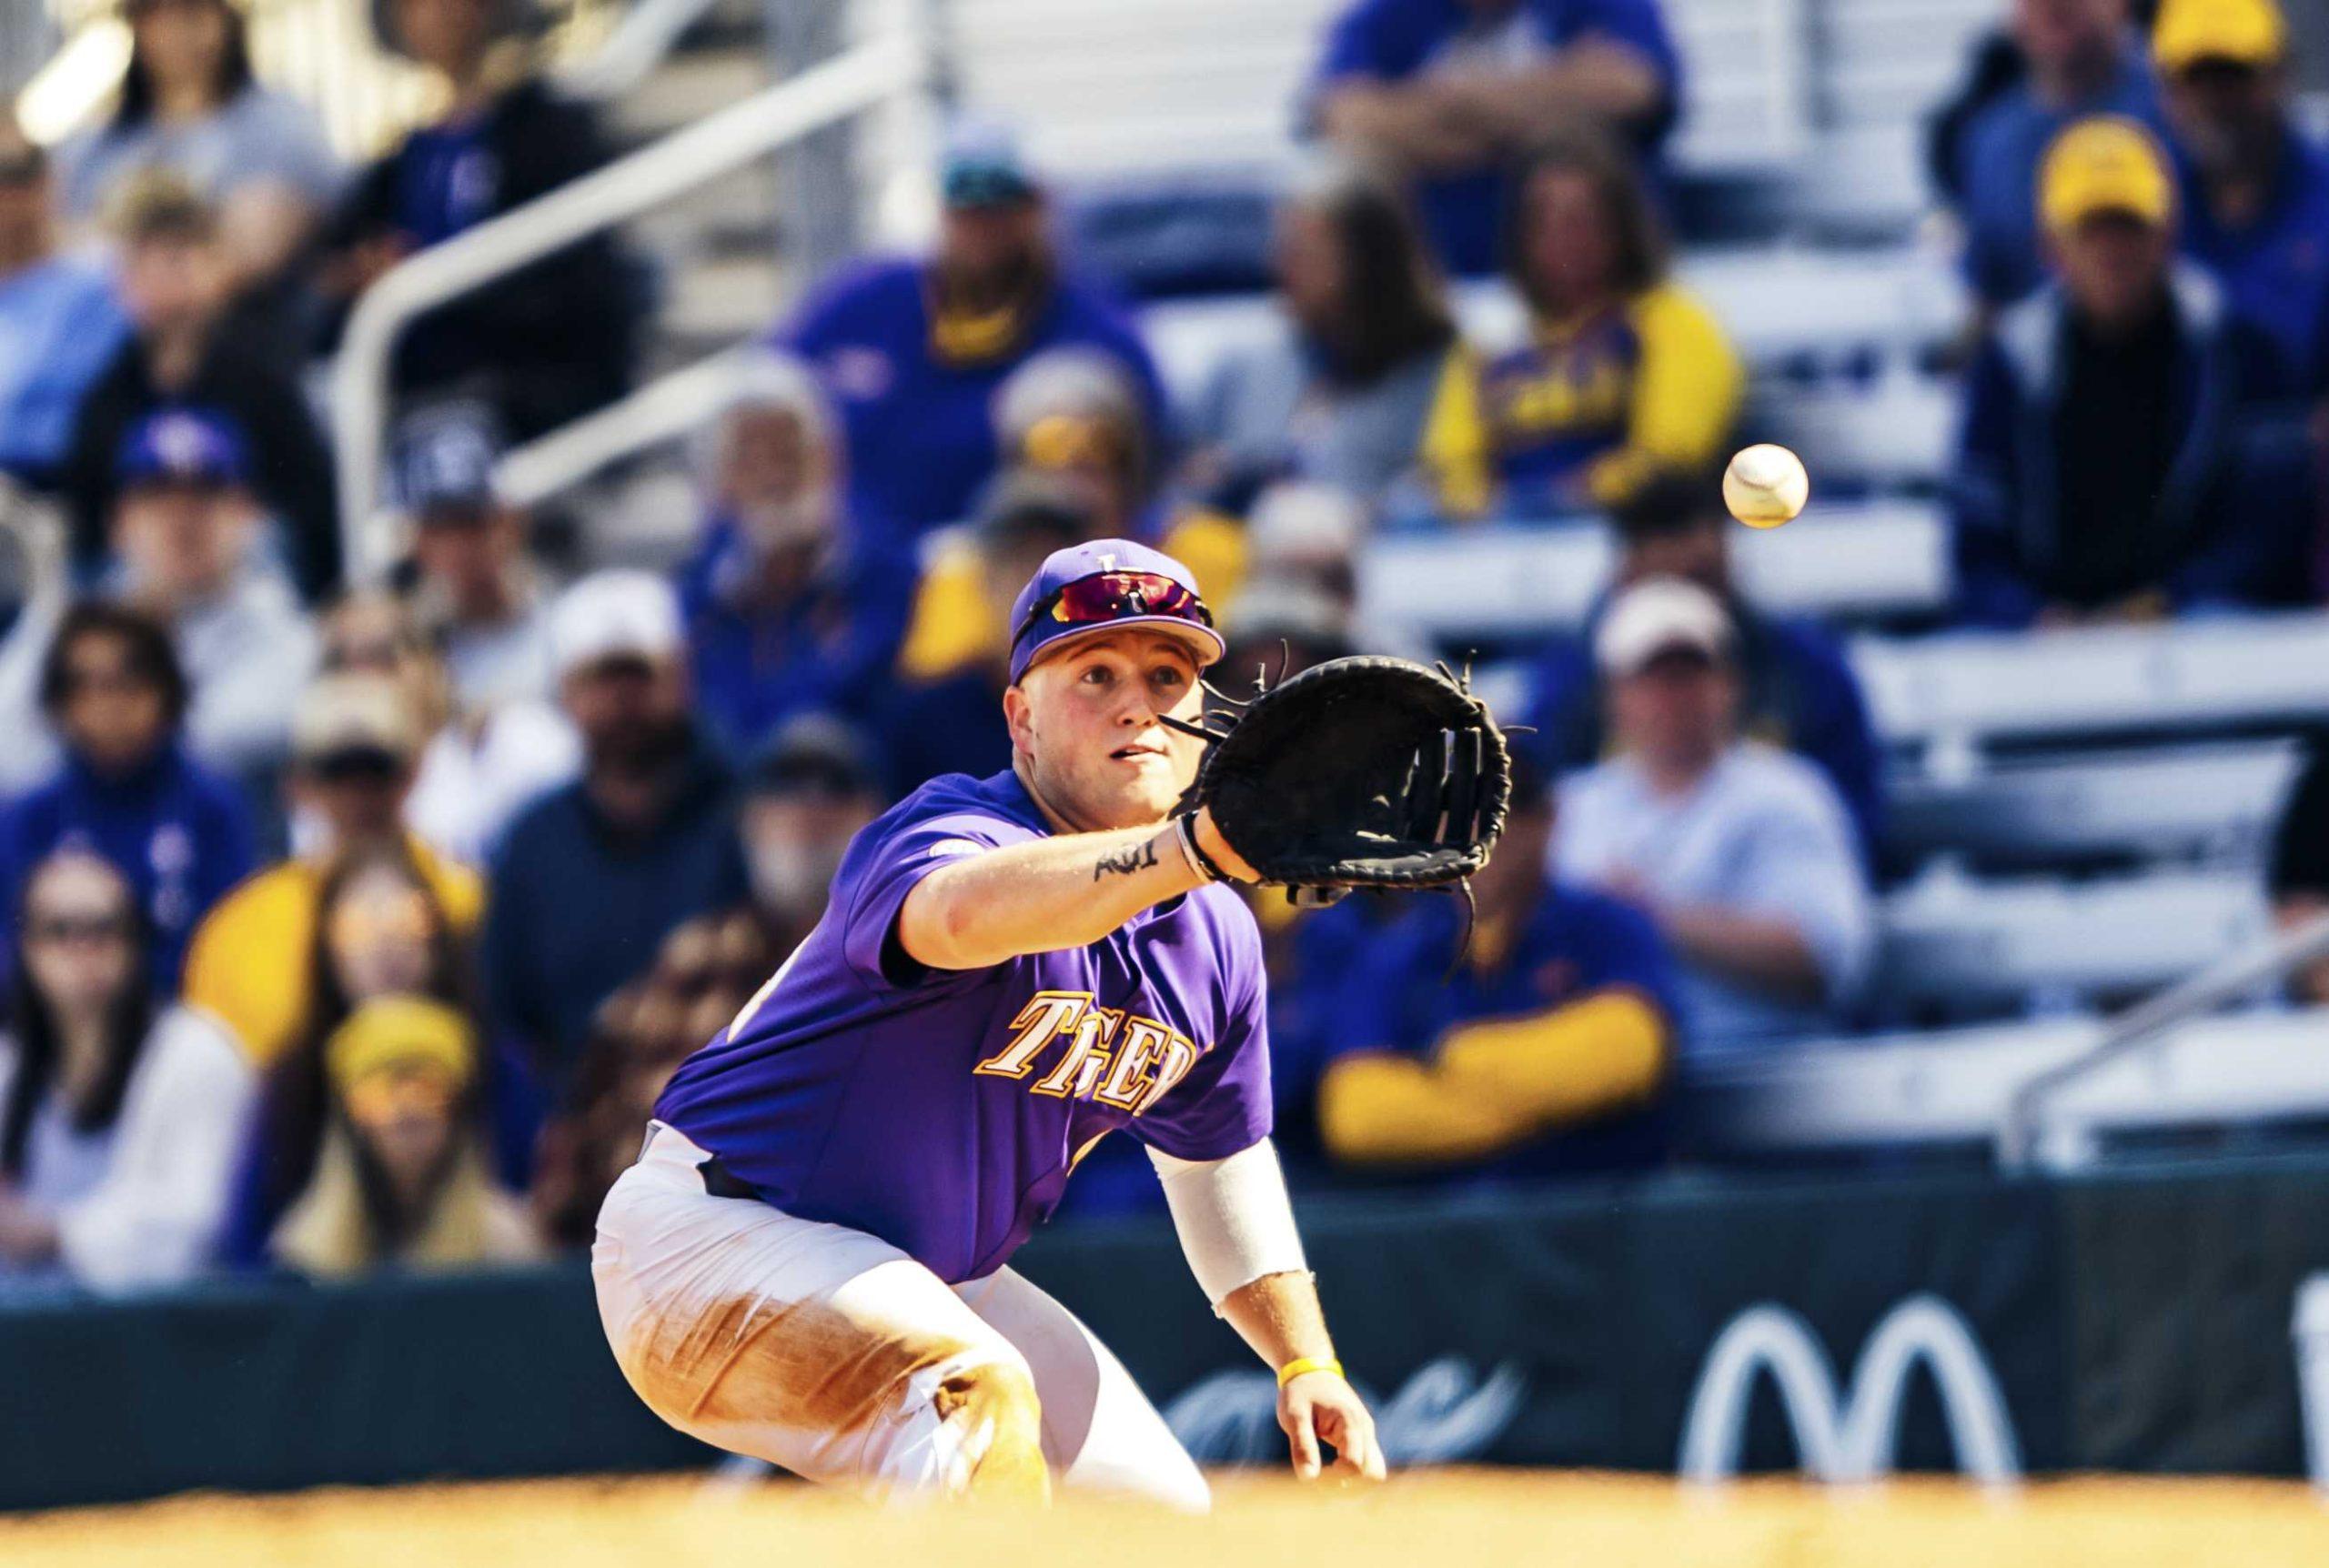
(996, 1407)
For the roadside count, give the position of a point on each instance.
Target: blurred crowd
(359, 924)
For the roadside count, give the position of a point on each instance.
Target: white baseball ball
(1764, 486)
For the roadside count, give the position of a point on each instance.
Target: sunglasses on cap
(1116, 596)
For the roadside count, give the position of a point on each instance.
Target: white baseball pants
(835, 1355)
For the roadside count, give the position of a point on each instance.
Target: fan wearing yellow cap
(2078, 58)
(401, 1177)
(2107, 470)
(2256, 193)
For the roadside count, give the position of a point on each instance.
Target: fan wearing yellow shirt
(1624, 373)
(355, 741)
(1072, 417)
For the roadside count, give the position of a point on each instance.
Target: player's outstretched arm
(1236, 1225)
(1065, 892)
(1280, 1317)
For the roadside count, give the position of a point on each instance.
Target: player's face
(1084, 728)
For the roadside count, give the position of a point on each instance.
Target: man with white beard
(806, 795)
(786, 611)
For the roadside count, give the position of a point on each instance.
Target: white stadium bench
(2214, 801)
(1956, 1086)
(1965, 688)
(1848, 561)
(1964, 947)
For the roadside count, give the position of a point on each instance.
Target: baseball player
(810, 1261)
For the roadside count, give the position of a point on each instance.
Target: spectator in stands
(546, 344)
(2255, 204)
(1625, 372)
(705, 973)
(119, 1118)
(378, 933)
(1797, 692)
(1338, 396)
(945, 715)
(185, 534)
(912, 351)
(2116, 461)
(190, 106)
(2083, 59)
(592, 875)
(476, 588)
(2298, 879)
(127, 791)
(1742, 855)
(1454, 93)
(403, 1177)
(786, 611)
(805, 797)
(475, 771)
(1073, 417)
(57, 316)
(1530, 1048)
(174, 281)
(354, 741)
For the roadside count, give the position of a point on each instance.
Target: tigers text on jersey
(941, 1111)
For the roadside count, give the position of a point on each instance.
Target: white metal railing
(666, 409)
(862, 79)
(2022, 1132)
(631, 52)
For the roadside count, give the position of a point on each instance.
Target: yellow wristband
(1301, 1364)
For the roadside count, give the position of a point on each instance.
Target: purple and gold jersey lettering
(943, 1111)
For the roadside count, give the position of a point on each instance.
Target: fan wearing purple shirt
(809, 1262)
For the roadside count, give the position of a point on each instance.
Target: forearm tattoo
(1125, 861)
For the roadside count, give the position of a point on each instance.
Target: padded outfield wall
(2136, 1321)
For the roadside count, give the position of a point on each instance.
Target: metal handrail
(861, 79)
(2019, 1131)
(663, 410)
(630, 53)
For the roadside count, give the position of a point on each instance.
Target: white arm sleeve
(1234, 1217)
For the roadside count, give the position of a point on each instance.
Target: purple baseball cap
(1104, 585)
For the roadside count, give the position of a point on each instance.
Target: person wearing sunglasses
(355, 742)
(118, 1118)
(1010, 969)
(127, 788)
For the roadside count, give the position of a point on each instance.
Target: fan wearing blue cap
(913, 350)
(1009, 968)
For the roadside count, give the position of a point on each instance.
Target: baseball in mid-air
(1764, 486)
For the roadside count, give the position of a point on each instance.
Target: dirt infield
(1458, 1519)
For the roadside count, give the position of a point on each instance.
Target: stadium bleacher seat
(1850, 562)
(1955, 947)
(1955, 1087)
(2088, 682)
(2210, 801)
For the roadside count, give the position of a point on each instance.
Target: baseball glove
(1364, 772)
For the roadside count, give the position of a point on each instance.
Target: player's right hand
(1320, 1408)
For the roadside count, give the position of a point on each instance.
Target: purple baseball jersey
(942, 1111)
